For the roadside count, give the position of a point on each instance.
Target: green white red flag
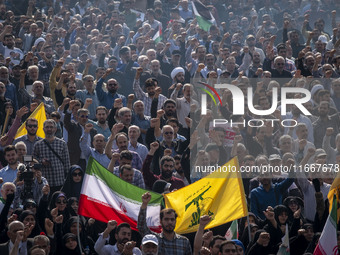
(232, 232)
(158, 36)
(104, 197)
(328, 240)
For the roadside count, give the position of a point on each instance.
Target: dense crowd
(121, 81)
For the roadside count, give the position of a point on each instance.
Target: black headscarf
(71, 188)
(70, 201)
(52, 205)
(67, 251)
(36, 230)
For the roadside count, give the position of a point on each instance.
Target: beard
(151, 94)
(30, 133)
(180, 171)
(168, 229)
(71, 93)
(102, 121)
(112, 91)
(166, 174)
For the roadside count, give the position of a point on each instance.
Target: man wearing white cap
(177, 76)
(149, 245)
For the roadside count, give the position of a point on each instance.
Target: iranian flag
(328, 240)
(203, 16)
(158, 36)
(232, 232)
(104, 197)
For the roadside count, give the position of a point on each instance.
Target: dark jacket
(75, 131)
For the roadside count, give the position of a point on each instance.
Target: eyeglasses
(61, 201)
(77, 174)
(32, 126)
(84, 116)
(168, 133)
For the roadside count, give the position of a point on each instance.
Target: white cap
(322, 39)
(150, 239)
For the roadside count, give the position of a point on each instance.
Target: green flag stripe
(203, 23)
(117, 185)
(333, 217)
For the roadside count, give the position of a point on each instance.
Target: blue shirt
(105, 132)
(8, 174)
(140, 149)
(82, 95)
(260, 199)
(106, 98)
(141, 123)
(88, 151)
(11, 93)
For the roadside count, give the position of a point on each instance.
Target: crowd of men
(121, 81)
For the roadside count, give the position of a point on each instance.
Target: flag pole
(78, 234)
(6, 122)
(248, 228)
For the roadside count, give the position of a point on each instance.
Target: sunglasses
(280, 64)
(77, 174)
(112, 84)
(61, 201)
(168, 133)
(31, 206)
(84, 116)
(32, 126)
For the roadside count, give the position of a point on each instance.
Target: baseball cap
(150, 239)
(250, 36)
(320, 152)
(322, 39)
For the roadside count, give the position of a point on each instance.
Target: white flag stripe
(101, 193)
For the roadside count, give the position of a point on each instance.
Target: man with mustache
(124, 244)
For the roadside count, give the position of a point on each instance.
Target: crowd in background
(121, 81)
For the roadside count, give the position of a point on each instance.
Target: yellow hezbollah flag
(38, 114)
(219, 195)
(334, 190)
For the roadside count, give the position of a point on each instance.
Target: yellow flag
(220, 195)
(40, 115)
(334, 190)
